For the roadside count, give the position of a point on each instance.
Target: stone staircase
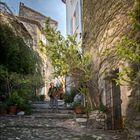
(45, 104)
(42, 110)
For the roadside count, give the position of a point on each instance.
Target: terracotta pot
(12, 110)
(78, 109)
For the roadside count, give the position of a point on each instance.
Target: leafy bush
(19, 63)
(69, 97)
(26, 107)
(21, 102)
(42, 97)
(76, 104)
(15, 99)
(102, 108)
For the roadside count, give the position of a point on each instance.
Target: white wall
(72, 7)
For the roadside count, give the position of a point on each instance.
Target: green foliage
(103, 108)
(66, 54)
(76, 104)
(42, 97)
(15, 99)
(135, 14)
(20, 100)
(69, 97)
(15, 55)
(19, 63)
(67, 57)
(127, 50)
(88, 108)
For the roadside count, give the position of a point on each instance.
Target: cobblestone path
(50, 125)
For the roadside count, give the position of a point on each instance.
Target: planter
(12, 110)
(79, 109)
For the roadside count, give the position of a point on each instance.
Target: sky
(52, 8)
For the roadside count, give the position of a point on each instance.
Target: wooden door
(113, 103)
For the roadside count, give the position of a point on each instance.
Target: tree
(67, 58)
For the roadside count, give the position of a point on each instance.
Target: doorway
(113, 103)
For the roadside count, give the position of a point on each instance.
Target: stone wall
(29, 13)
(104, 23)
(18, 27)
(34, 23)
(35, 30)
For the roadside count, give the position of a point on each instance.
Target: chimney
(21, 4)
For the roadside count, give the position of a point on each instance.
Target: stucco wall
(71, 6)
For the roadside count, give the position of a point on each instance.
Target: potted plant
(14, 101)
(78, 107)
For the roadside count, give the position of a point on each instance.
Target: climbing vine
(127, 51)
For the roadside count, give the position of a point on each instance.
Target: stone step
(46, 105)
(55, 115)
(59, 110)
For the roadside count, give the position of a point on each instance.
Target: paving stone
(52, 126)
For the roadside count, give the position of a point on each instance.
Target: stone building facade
(34, 22)
(104, 23)
(29, 13)
(17, 27)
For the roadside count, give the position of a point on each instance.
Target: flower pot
(79, 109)
(12, 110)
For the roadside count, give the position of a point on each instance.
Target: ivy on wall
(127, 50)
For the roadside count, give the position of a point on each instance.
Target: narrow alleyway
(45, 124)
